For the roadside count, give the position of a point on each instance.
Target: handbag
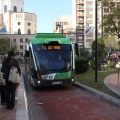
(14, 76)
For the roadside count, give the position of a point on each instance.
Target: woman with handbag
(8, 63)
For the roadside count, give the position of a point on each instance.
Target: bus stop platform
(21, 110)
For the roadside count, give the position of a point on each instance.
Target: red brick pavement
(70, 103)
(7, 114)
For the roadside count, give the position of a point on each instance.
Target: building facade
(83, 17)
(64, 25)
(15, 19)
(19, 25)
(18, 41)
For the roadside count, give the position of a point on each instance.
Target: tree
(110, 41)
(84, 53)
(111, 21)
(100, 47)
(4, 46)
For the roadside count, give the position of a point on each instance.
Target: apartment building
(63, 25)
(83, 13)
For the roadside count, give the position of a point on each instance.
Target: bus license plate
(57, 83)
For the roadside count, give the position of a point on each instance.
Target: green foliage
(4, 46)
(111, 21)
(84, 53)
(81, 65)
(110, 42)
(100, 48)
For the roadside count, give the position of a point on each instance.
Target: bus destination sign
(50, 47)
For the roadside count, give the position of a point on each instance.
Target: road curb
(22, 106)
(100, 94)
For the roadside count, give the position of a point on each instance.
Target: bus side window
(32, 66)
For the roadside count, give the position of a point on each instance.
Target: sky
(47, 11)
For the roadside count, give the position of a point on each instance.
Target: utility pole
(60, 26)
(96, 54)
(10, 38)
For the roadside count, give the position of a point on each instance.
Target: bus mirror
(26, 53)
(76, 49)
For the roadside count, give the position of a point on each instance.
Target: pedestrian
(2, 88)
(10, 87)
(16, 96)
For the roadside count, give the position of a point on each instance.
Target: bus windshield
(53, 61)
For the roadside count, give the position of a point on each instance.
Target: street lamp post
(60, 26)
(10, 41)
(10, 38)
(96, 55)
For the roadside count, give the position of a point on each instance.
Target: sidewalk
(21, 111)
(113, 83)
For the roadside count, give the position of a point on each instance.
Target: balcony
(80, 14)
(89, 15)
(80, 27)
(80, 33)
(80, 21)
(80, 8)
(80, 40)
(80, 2)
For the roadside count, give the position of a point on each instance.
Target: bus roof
(46, 38)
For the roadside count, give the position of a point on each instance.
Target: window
(15, 9)
(106, 10)
(105, 4)
(21, 40)
(56, 28)
(5, 8)
(26, 40)
(21, 46)
(14, 40)
(19, 31)
(19, 23)
(29, 24)
(29, 31)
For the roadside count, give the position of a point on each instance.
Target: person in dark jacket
(2, 88)
(10, 87)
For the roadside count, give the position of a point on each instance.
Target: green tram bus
(50, 60)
